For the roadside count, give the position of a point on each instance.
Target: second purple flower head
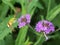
(44, 26)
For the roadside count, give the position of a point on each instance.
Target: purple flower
(44, 26)
(23, 20)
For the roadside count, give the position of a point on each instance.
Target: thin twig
(33, 30)
(45, 36)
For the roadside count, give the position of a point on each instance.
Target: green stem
(45, 36)
(33, 30)
(40, 40)
(42, 17)
(21, 36)
(49, 3)
(23, 10)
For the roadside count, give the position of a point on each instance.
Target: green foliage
(53, 13)
(56, 20)
(27, 42)
(7, 41)
(3, 11)
(39, 10)
(21, 36)
(8, 2)
(4, 29)
(40, 40)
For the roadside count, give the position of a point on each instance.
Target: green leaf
(46, 2)
(27, 42)
(9, 40)
(9, 4)
(32, 11)
(21, 36)
(4, 33)
(52, 4)
(40, 39)
(3, 11)
(31, 5)
(20, 1)
(53, 13)
(2, 42)
(39, 5)
(56, 21)
(4, 29)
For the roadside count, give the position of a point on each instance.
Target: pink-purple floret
(23, 20)
(44, 26)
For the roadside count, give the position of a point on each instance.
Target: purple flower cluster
(44, 26)
(23, 20)
(41, 26)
